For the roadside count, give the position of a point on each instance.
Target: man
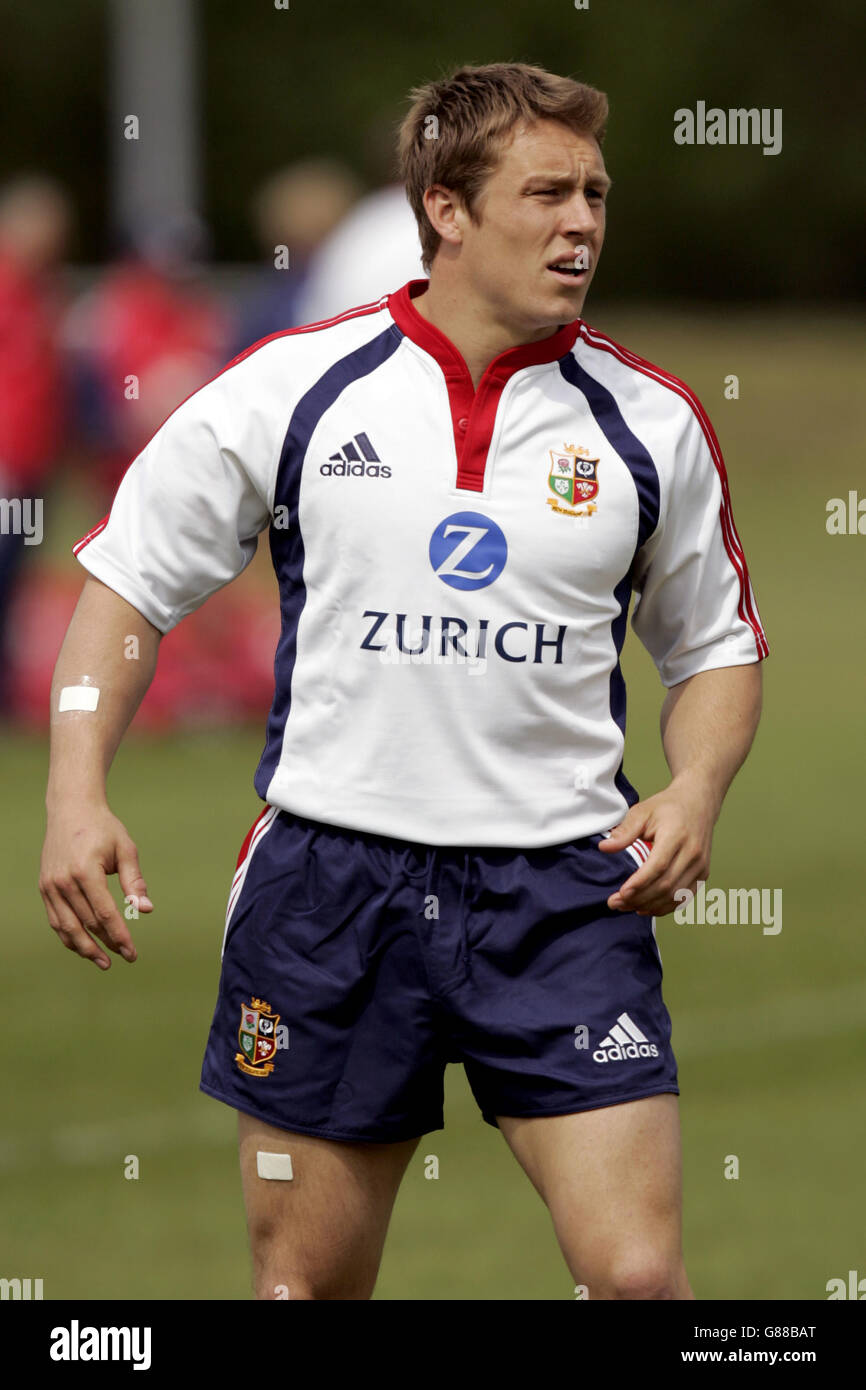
(463, 482)
(35, 224)
(374, 247)
(297, 207)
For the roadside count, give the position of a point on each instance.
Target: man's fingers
(652, 894)
(668, 860)
(644, 878)
(632, 825)
(618, 900)
(74, 885)
(105, 920)
(64, 922)
(89, 906)
(70, 894)
(131, 878)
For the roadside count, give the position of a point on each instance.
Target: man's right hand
(83, 845)
(85, 842)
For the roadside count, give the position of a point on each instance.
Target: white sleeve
(186, 515)
(695, 608)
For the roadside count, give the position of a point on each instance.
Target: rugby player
(464, 485)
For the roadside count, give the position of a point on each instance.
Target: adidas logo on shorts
(625, 1040)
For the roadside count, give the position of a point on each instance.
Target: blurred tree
(321, 78)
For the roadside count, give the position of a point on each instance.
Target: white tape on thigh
(78, 697)
(278, 1166)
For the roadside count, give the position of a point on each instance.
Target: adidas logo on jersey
(624, 1041)
(357, 459)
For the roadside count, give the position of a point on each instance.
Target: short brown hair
(473, 111)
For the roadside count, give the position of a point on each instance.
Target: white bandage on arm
(80, 697)
(277, 1166)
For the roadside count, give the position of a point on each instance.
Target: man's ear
(445, 212)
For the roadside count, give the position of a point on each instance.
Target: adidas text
(624, 1042)
(356, 470)
(619, 1052)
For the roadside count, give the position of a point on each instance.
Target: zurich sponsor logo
(468, 550)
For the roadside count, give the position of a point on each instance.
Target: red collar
(473, 413)
(432, 340)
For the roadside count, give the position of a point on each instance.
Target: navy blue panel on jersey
(356, 966)
(287, 543)
(646, 480)
(622, 594)
(633, 454)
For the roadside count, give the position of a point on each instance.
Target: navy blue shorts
(356, 966)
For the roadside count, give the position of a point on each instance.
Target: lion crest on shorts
(257, 1036)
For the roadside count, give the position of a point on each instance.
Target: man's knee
(286, 1267)
(271, 1284)
(645, 1275)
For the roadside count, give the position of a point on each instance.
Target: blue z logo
(468, 550)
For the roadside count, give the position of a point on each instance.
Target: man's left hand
(678, 823)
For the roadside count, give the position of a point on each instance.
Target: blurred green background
(770, 1031)
(331, 76)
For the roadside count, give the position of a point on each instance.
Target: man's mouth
(566, 271)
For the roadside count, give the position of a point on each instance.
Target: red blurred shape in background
(217, 666)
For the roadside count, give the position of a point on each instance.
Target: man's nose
(581, 216)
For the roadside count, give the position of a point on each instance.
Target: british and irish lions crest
(257, 1036)
(573, 479)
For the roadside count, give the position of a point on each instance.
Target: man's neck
(466, 323)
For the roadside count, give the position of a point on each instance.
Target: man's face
(544, 199)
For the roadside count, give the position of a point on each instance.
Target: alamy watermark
(855, 1287)
(22, 516)
(412, 646)
(731, 906)
(22, 1289)
(736, 126)
(77, 1343)
(846, 517)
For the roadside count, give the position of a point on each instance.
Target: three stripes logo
(624, 1040)
(357, 459)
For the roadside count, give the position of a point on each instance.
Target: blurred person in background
(375, 246)
(35, 223)
(147, 335)
(293, 212)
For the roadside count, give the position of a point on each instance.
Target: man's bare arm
(84, 841)
(708, 723)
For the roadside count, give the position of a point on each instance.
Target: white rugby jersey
(455, 567)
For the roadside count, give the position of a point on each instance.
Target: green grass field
(769, 1031)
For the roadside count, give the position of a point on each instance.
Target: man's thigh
(318, 1234)
(612, 1180)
